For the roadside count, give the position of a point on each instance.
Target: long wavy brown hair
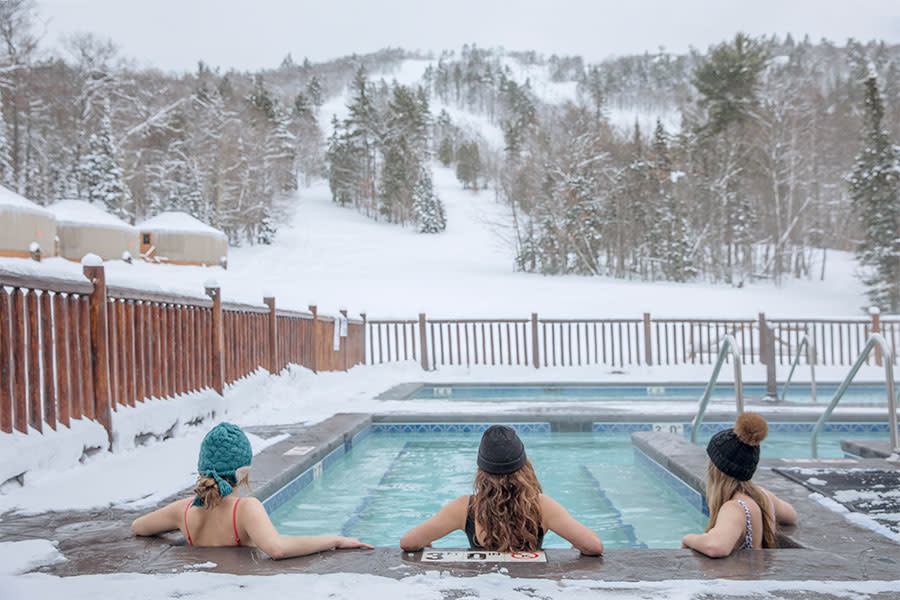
(508, 510)
(720, 488)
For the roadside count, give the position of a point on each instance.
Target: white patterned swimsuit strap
(748, 538)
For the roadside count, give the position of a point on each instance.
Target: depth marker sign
(482, 556)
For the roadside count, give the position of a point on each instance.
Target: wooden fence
(540, 342)
(74, 349)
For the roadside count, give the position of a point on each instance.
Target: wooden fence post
(99, 347)
(365, 333)
(423, 344)
(648, 340)
(274, 365)
(875, 312)
(217, 351)
(314, 334)
(535, 348)
(767, 356)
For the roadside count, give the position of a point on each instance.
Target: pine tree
(103, 176)
(314, 92)
(428, 209)
(875, 192)
(6, 170)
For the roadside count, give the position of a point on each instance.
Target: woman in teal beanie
(215, 516)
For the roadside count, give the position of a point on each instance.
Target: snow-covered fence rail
(79, 348)
(541, 342)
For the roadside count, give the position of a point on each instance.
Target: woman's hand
(346, 542)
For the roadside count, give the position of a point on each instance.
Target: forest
(766, 153)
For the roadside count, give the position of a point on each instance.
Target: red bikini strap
(186, 532)
(237, 538)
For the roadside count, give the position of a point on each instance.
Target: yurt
(178, 238)
(84, 228)
(25, 226)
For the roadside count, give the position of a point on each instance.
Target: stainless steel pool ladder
(729, 344)
(810, 358)
(888, 360)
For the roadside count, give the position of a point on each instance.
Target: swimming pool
(399, 474)
(862, 393)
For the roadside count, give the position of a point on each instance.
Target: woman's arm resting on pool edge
(161, 520)
(448, 519)
(785, 513)
(559, 520)
(722, 539)
(252, 515)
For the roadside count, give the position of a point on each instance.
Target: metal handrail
(888, 360)
(729, 344)
(810, 358)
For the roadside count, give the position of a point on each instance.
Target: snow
(427, 586)
(538, 76)
(9, 200)
(24, 556)
(855, 517)
(91, 260)
(79, 212)
(178, 222)
(34, 247)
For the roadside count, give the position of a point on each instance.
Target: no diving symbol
(525, 555)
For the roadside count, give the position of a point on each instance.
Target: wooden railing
(541, 342)
(73, 349)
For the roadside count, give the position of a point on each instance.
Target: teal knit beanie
(224, 450)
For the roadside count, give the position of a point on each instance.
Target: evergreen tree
(445, 151)
(428, 209)
(875, 192)
(397, 181)
(6, 170)
(100, 168)
(314, 92)
(468, 165)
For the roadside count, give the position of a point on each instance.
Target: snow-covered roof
(180, 222)
(85, 213)
(9, 200)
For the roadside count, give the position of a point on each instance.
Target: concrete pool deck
(833, 549)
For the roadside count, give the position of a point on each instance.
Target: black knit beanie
(735, 451)
(501, 451)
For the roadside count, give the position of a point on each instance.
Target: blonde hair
(508, 508)
(207, 489)
(720, 488)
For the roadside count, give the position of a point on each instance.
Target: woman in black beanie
(742, 515)
(507, 512)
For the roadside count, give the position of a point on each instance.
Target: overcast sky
(250, 34)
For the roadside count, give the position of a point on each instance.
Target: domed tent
(24, 223)
(84, 228)
(178, 238)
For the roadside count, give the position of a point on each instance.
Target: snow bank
(24, 556)
(179, 222)
(855, 517)
(21, 454)
(79, 212)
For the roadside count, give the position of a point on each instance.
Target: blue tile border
(620, 427)
(782, 427)
(363, 434)
(695, 498)
(455, 427)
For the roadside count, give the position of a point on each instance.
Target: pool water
(857, 393)
(389, 483)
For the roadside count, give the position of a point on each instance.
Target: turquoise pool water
(390, 482)
(799, 393)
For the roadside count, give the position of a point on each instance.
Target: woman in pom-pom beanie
(742, 515)
(215, 516)
(507, 512)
